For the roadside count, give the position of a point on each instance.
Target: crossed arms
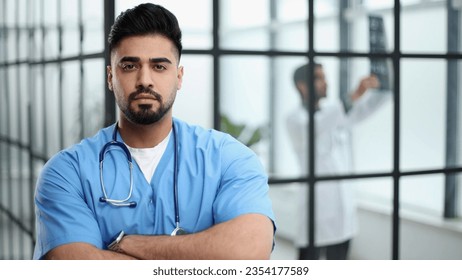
(249, 236)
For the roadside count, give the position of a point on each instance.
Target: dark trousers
(330, 252)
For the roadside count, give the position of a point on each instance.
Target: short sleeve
(244, 185)
(62, 214)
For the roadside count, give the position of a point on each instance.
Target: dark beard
(145, 115)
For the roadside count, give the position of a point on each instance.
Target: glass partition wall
(397, 163)
(52, 94)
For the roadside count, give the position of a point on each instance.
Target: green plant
(245, 134)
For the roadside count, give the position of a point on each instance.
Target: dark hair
(146, 19)
(302, 73)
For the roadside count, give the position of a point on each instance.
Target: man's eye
(159, 67)
(128, 67)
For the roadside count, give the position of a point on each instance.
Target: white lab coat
(335, 210)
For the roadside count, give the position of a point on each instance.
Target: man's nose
(145, 78)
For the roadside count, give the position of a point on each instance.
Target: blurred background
(239, 58)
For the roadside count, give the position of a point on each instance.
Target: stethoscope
(132, 204)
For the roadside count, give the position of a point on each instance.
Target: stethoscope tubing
(132, 204)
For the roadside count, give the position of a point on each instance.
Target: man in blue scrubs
(152, 186)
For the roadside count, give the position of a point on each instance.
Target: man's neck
(144, 136)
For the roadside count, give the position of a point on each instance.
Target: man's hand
(366, 83)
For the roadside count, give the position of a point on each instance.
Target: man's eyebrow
(129, 59)
(151, 60)
(159, 60)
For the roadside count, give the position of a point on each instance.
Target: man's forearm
(84, 251)
(246, 237)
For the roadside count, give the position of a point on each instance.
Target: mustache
(144, 90)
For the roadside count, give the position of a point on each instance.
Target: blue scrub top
(219, 179)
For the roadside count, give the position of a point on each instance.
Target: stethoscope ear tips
(115, 203)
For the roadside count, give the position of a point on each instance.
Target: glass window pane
(3, 18)
(35, 14)
(363, 36)
(196, 90)
(11, 46)
(70, 113)
(14, 180)
(423, 114)
(3, 102)
(24, 102)
(9, 13)
(457, 86)
(37, 45)
(326, 22)
(424, 233)
(94, 85)
(285, 202)
(2, 47)
(373, 199)
(290, 25)
(22, 15)
(422, 195)
(38, 101)
(50, 25)
(70, 23)
(49, 12)
(35, 21)
(93, 26)
(51, 43)
(291, 11)
(248, 39)
(286, 101)
(291, 36)
(197, 25)
(353, 33)
(323, 26)
(418, 34)
(244, 100)
(12, 102)
(52, 109)
(247, 28)
(459, 194)
(255, 15)
(23, 47)
(372, 119)
(374, 4)
(358, 20)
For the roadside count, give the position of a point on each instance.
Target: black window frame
(20, 146)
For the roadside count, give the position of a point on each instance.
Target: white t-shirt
(148, 158)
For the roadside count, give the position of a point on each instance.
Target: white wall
(421, 237)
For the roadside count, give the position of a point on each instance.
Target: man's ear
(300, 86)
(180, 77)
(302, 89)
(109, 77)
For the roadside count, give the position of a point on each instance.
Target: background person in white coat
(335, 211)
